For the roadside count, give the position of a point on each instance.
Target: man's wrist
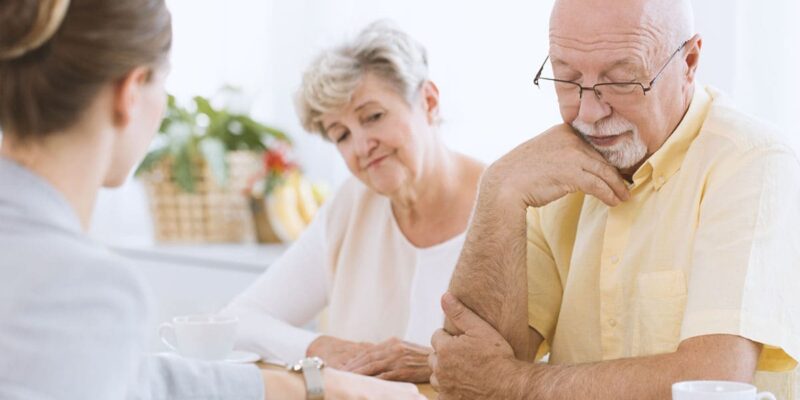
(496, 191)
(518, 379)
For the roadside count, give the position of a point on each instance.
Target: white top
(73, 315)
(354, 260)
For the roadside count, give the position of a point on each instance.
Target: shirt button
(660, 180)
(614, 259)
(612, 322)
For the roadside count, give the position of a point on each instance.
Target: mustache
(606, 127)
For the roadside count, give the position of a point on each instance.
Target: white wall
(482, 56)
(483, 59)
(750, 51)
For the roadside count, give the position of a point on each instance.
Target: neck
(71, 162)
(438, 183)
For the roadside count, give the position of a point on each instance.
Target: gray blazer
(73, 315)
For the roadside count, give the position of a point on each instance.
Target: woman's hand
(339, 385)
(393, 360)
(336, 352)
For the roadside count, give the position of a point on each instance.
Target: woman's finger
(373, 368)
(375, 353)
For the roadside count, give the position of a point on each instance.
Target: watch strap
(312, 373)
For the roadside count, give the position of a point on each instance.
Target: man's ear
(127, 93)
(692, 57)
(430, 98)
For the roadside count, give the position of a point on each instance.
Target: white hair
(332, 78)
(625, 154)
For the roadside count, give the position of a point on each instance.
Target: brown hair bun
(28, 25)
(56, 55)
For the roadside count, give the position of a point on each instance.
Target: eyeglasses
(616, 93)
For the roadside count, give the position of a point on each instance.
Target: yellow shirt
(708, 244)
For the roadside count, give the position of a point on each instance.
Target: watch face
(312, 362)
(318, 361)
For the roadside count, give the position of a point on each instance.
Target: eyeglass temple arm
(650, 85)
(539, 74)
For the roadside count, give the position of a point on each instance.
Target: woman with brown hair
(81, 96)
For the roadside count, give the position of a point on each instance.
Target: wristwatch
(311, 367)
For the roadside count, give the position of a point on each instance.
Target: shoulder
(736, 132)
(352, 191)
(350, 203)
(735, 145)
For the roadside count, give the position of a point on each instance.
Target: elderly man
(658, 224)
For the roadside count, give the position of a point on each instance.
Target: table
(424, 388)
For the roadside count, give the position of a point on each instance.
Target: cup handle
(166, 330)
(765, 396)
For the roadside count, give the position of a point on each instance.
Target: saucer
(238, 356)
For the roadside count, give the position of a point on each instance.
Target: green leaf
(213, 151)
(182, 170)
(204, 106)
(185, 139)
(151, 160)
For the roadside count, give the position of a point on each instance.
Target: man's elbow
(719, 357)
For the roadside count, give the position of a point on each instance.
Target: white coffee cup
(205, 337)
(717, 390)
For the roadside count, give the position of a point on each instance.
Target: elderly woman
(380, 253)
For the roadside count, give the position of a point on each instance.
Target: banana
(283, 212)
(321, 192)
(307, 205)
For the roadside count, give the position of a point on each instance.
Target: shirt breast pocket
(660, 300)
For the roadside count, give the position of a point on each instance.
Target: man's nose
(592, 108)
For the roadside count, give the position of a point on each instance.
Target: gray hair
(332, 78)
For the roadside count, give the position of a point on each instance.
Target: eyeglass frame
(593, 88)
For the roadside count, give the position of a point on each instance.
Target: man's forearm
(490, 277)
(715, 357)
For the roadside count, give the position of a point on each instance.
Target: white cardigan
(354, 260)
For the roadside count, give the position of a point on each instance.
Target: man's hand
(473, 365)
(393, 360)
(336, 352)
(552, 165)
(491, 277)
(479, 365)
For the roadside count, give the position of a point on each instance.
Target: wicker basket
(212, 214)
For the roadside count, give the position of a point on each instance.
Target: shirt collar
(24, 194)
(667, 160)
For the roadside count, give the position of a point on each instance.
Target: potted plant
(199, 168)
